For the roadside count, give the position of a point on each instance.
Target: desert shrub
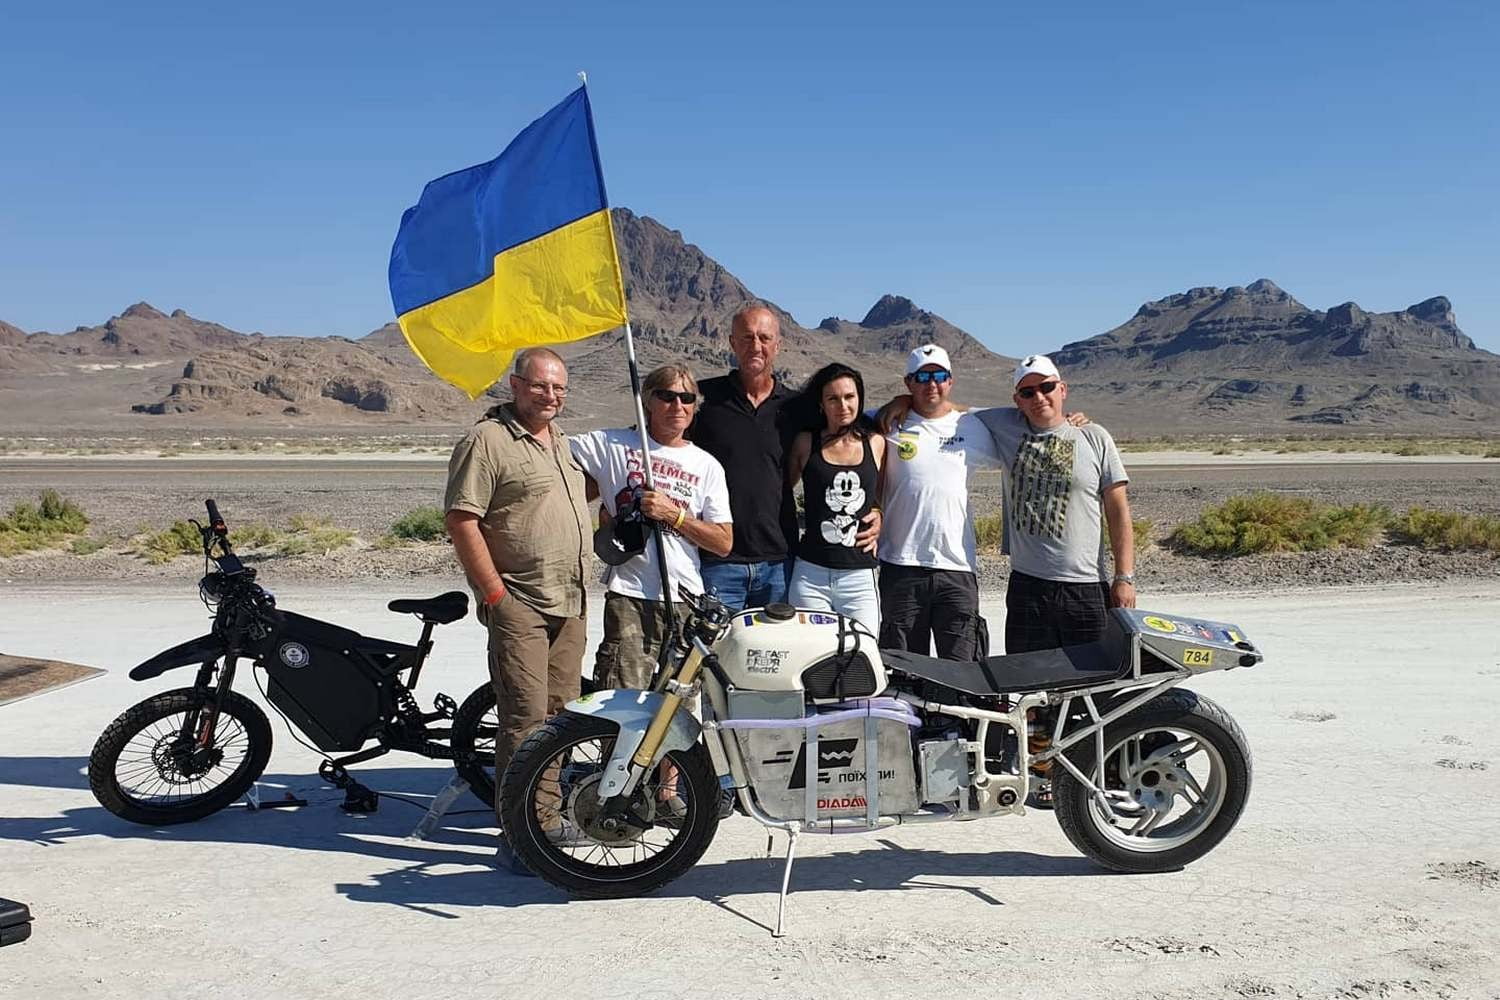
(311, 534)
(424, 524)
(180, 538)
(1270, 522)
(84, 546)
(1142, 534)
(44, 524)
(1492, 453)
(988, 530)
(1447, 531)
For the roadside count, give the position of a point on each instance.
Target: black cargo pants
(941, 606)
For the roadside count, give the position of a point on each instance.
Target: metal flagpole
(659, 679)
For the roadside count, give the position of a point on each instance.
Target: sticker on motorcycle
(1195, 656)
(765, 661)
(1160, 624)
(294, 655)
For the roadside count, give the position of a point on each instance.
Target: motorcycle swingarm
(632, 712)
(193, 653)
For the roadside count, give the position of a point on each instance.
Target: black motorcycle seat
(439, 610)
(1098, 662)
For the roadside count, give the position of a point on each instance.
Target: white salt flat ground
(1359, 868)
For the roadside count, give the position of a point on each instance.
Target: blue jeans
(849, 592)
(747, 585)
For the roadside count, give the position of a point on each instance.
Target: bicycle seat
(439, 610)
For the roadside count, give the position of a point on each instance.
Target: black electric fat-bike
(184, 754)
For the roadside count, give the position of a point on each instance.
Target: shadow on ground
(451, 868)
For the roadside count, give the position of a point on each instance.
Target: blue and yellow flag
(511, 253)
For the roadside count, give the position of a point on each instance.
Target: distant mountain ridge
(1256, 354)
(1208, 359)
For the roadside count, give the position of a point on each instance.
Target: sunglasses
(922, 378)
(668, 395)
(1045, 388)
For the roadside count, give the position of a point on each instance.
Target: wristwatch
(1125, 578)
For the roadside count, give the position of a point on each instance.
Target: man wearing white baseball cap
(1061, 483)
(929, 589)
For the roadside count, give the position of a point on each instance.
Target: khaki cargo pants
(536, 661)
(634, 630)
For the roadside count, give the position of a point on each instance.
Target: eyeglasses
(541, 387)
(1045, 388)
(667, 396)
(922, 378)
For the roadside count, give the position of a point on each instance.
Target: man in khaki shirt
(520, 526)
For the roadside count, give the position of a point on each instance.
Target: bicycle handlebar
(214, 520)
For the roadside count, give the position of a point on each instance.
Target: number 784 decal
(1196, 656)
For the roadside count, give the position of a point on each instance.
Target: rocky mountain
(179, 371)
(1205, 360)
(1254, 356)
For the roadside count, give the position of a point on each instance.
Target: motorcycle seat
(439, 610)
(1098, 662)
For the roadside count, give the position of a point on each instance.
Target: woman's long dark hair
(812, 400)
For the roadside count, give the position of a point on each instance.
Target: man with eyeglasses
(519, 521)
(1059, 480)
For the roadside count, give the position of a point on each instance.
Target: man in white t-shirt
(689, 506)
(929, 587)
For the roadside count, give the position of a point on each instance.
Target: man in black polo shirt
(747, 420)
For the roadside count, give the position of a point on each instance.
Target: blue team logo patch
(822, 619)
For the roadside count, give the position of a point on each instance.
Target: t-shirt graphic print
(1041, 478)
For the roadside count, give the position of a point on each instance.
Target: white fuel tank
(828, 656)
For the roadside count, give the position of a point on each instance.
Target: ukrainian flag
(511, 253)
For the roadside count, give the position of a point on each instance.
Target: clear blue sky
(1033, 175)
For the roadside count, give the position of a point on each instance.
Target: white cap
(927, 354)
(1035, 364)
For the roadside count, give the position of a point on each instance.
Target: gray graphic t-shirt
(1054, 480)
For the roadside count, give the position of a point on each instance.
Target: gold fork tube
(657, 731)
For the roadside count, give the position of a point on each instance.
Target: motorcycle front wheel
(145, 770)
(474, 733)
(551, 815)
(1176, 778)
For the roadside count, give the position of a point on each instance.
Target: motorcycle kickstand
(793, 831)
(357, 798)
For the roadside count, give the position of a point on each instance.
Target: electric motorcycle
(183, 754)
(819, 731)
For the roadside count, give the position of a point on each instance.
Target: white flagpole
(640, 419)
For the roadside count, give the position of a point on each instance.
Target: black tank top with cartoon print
(836, 497)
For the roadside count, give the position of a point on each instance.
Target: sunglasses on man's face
(939, 376)
(1045, 388)
(667, 395)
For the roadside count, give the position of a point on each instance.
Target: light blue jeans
(850, 592)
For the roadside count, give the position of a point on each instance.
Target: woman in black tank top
(838, 463)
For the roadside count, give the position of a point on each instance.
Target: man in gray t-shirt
(1060, 482)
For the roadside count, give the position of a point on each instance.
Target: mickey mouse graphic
(845, 497)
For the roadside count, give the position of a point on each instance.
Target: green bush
(1447, 531)
(425, 524)
(311, 534)
(1270, 522)
(44, 524)
(83, 546)
(181, 538)
(988, 530)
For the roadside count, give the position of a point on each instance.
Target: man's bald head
(755, 337)
(754, 316)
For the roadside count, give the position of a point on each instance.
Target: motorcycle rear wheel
(141, 770)
(1177, 776)
(553, 776)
